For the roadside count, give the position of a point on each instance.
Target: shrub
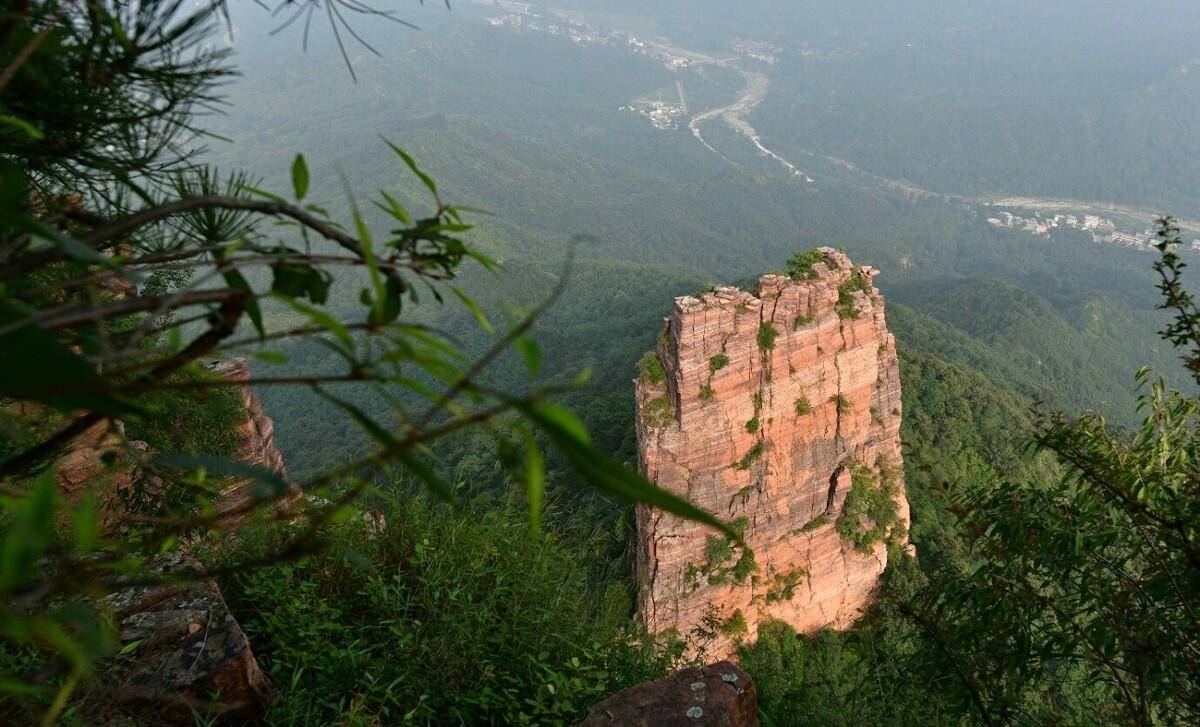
(718, 362)
(803, 406)
(750, 457)
(800, 267)
(801, 320)
(752, 425)
(855, 283)
(706, 392)
(190, 421)
(872, 498)
(463, 619)
(650, 368)
(783, 585)
(736, 624)
(767, 334)
(841, 402)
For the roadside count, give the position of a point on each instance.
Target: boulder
(719, 694)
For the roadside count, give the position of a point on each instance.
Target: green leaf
(266, 483)
(85, 522)
(609, 476)
(531, 352)
(35, 366)
(299, 176)
(535, 481)
(236, 280)
(394, 208)
(472, 306)
(274, 357)
(22, 125)
(265, 194)
(412, 165)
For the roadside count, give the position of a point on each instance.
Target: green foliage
(767, 334)
(817, 522)
(869, 513)
(706, 392)
(657, 412)
(438, 617)
(856, 283)
(800, 321)
(650, 368)
(803, 406)
(735, 625)
(800, 267)
(718, 362)
(752, 425)
(782, 586)
(717, 551)
(750, 457)
(190, 421)
(841, 403)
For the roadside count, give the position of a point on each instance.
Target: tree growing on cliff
(126, 264)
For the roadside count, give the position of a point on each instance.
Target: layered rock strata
(256, 437)
(780, 412)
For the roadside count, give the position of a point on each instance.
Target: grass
(842, 403)
(818, 522)
(657, 412)
(439, 619)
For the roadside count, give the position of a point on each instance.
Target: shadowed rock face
(256, 435)
(767, 405)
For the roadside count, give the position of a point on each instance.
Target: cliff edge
(780, 412)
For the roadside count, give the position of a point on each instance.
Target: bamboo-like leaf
(412, 165)
(608, 475)
(472, 306)
(300, 176)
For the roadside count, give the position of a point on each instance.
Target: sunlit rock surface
(766, 403)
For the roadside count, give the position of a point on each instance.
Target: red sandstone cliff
(768, 410)
(256, 434)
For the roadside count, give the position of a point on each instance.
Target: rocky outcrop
(186, 655)
(717, 694)
(778, 411)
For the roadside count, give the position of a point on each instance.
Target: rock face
(717, 694)
(256, 434)
(780, 412)
(188, 654)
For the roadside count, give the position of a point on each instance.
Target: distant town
(1102, 229)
